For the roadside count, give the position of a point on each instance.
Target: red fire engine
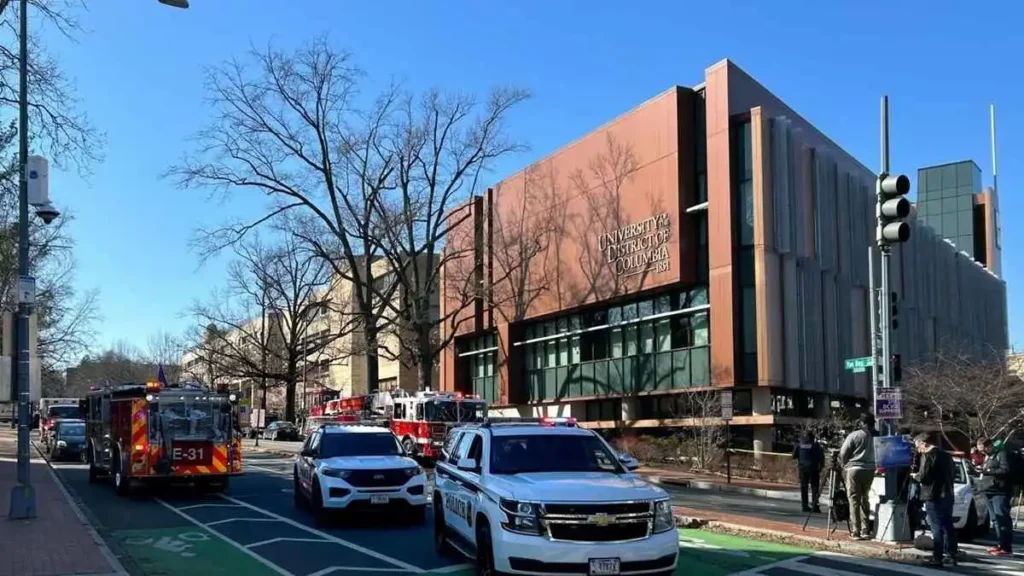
(145, 432)
(421, 420)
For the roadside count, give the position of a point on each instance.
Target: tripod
(837, 489)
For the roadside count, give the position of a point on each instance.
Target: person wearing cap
(810, 460)
(857, 456)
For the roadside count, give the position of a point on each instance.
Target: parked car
(970, 510)
(281, 431)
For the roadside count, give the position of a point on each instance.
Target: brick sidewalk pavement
(59, 541)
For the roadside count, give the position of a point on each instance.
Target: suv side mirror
(628, 462)
(466, 464)
(307, 453)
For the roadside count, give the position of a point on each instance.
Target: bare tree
(703, 410)
(278, 310)
(370, 188)
(965, 394)
(441, 144)
(165, 349)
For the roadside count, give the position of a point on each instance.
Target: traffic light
(894, 306)
(897, 368)
(893, 207)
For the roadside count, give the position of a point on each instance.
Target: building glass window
(657, 343)
(743, 178)
(479, 355)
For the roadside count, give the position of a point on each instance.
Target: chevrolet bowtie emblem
(600, 519)
(378, 476)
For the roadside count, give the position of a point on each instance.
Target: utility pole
(891, 210)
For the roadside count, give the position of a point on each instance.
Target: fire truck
(421, 419)
(147, 433)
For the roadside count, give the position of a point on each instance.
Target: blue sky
(139, 73)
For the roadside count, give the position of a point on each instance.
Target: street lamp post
(23, 496)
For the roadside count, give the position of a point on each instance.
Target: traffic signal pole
(883, 296)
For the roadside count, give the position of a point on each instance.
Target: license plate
(601, 566)
(194, 453)
(379, 499)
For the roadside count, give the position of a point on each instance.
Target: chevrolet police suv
(547, 497)
(358, 467)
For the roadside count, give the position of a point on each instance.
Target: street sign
(888, 403)
(893, 452)
(26, 290)
(858, 365)
(726, 401)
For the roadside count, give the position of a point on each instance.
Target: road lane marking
(351, 545)
(273, 540)
(191, 506)
(331, 569)
(214, 531)
(226, 520)
(268, 470)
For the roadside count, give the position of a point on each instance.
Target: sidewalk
(59, 541)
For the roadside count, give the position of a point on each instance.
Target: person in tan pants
(857, 456)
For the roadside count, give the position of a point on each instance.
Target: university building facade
(709, 239)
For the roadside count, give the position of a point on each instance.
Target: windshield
(551, 453)
(359, 444)
(958, 473)
(72, 431)
(63, 412)
(451, 411)
(192, 417)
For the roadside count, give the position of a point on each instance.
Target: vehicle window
(449, 444)
(551, 453)
(314, 441)
(72, 430)
(63, 412)
(419, 411)
(465, 445)
(360, 444)
(476, 449)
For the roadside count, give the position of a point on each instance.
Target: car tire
(94, 472)
(316, 504)
(970, 529)
(441, 545)
(298, 497)
(484, 550)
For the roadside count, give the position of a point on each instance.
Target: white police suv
(546, 497)
(358, 467)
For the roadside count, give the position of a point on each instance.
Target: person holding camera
(857, 456)
(934, 476)
(810, 460)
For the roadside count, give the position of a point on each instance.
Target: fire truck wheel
(410, 446)
(94, 472)
(122, 484)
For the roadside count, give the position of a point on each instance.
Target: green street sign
(857, 365)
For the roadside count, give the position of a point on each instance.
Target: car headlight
(62, 444)
(413, 472)
(335, 473)
(521, 517)
(663, 518)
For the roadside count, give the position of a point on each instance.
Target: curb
(105, 551)
(902, 555)
(268, 451)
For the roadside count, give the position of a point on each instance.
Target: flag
(161, 377)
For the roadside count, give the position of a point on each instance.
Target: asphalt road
(255, 529)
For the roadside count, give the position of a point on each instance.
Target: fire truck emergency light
(232, 398)
(152, 386)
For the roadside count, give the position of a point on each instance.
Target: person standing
(997, 485)
(810, 459)
(857, 456)
(935, 480)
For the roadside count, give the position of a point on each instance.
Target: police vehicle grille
(377, 478)
(598, 522)
(588, 509)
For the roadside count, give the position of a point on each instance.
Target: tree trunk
(289, 390)
(372, 360)
(425, 372)
(426, 359)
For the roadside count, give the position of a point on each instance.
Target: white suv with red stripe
(546, 497)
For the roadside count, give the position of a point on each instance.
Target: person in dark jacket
(935, 480)
(997, 485)
(810, 460)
